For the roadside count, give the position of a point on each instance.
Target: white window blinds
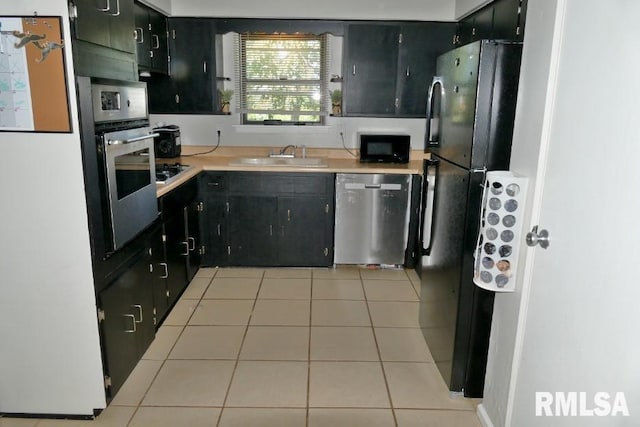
(282, 77)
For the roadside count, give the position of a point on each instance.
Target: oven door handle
(130, 140)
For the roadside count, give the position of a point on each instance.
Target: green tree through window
(282, 78)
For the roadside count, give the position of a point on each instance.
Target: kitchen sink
(305, 162)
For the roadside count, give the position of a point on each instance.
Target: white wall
(420, 10)
(532, 98)
(50, 357)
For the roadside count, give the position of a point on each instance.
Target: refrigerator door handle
(432, 133)
(429, 202)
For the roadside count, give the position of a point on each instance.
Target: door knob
(538, 238)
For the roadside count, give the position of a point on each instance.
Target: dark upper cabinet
(151, 40)
(420, 45)
(388, 68)
(106, 23)
(499, 20)
(191, 84)
(370, 64)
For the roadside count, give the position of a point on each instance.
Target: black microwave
(384, 148)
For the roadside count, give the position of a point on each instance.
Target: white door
(580, 314)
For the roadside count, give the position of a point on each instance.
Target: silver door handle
(433, 125)
(155, 40)
(186, 246)
(219, 230)
(535, 237)
(166, 270)
(192, 243)
(133, 318)
(353, 71)
(117, 9)
(140, 39)
(139, 307)
(105, 9)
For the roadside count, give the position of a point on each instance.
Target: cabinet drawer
(213, 182)
(276, 183)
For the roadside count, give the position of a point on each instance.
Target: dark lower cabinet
(180, 210)
(253, 230)
(159, 273)
(305, 230)
(127, 320)
(267, 219)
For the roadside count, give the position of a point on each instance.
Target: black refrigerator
(470, 115)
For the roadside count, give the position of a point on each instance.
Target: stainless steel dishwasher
(372, 218)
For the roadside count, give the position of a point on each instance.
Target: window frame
(322, 82)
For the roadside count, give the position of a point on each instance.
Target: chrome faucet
(283, 153)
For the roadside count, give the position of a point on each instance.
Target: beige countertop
(337, 160)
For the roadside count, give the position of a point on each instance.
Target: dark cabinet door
(106, 23)
(142, 36)
(304, 231)
(127, 328)
(158, 42)
(506, 20)
(122, 23)
(192, 232)
(159, 270)
(192, 69)
(176, 251)
(214, 231)
(253, 228)
(92, 22)
(369, 68)
(163, 95)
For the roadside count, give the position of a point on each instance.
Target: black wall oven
(119, 165)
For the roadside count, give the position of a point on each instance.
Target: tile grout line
(309, 353)
(171, 349)
(375, 338)
(237, 361)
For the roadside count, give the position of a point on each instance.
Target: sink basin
(307, 162)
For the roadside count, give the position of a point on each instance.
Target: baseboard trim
(483, 416)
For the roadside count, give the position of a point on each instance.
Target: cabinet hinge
(228, 250)
(397, 102)
(73, 11)
(517, 31)
(155, 313)
(107, 382)
(101, 315)
(168, 293)
(173, 34)
(150, 268)
(400, 38)
(150, 28)
(164, 238)
(326, 208)
(202, 250)
(200, 207)
(227, 206)
(326, 251)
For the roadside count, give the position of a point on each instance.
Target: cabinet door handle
(139, 307)
(155, 41)
(133, 318)
(177, 99)
(139, 39)
(408, 71)
(192, 244)
(106, 8)
(219, 230)
(204, 66)
(289, 215)
(353, 70)
(186, 247)
(117, 9)
(166, 270)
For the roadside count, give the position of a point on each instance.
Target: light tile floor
(287, 347)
